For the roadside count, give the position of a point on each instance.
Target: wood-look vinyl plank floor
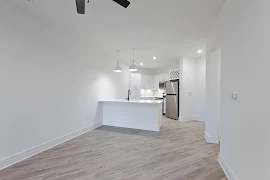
(178, 152)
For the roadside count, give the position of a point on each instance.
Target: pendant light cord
(133, 55)
(117, 56)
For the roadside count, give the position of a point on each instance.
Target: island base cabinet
(141, 116)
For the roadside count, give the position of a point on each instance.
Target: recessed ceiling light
(141, 64)
(154, 58)
(199, 51)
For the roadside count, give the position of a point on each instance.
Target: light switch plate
(233, 96)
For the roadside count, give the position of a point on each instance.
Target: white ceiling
(167, 29)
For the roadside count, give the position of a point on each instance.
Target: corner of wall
(226, 168)
(211, 139)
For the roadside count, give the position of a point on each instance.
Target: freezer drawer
(172, 106)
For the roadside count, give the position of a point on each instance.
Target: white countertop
(134, 101)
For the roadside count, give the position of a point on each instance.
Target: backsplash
(152, 93)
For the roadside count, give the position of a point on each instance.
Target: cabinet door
(156, 82)
(161, 78)
(166, 76)
(151, 82)
(145, 82)
(135, 80)
(135, 85)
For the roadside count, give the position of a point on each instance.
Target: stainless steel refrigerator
(172, 99)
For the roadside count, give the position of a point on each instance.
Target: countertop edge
(138, 102)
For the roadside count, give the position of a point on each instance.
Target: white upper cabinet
(166, 76)
(135, 81)
(146, 82)
(163, 77)
(151, 82)
(156, 82)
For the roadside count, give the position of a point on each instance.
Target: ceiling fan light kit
(81, 5)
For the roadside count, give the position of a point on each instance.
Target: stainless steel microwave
(162, 85)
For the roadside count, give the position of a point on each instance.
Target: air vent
(174, 74)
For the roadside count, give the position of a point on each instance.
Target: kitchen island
(135, 114)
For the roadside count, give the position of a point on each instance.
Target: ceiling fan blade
(80, 6)
(123, 3)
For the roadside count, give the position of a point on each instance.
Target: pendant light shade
(117, 67)
(132, 67)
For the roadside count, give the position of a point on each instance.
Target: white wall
(199, 91)
(212, 96)
(192, 88)
(187, 88)
(166, 69)
(241, 31)
(50, 82)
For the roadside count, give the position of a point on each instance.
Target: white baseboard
(200, 119)
(211, 139)
(190, 119)
(45, 146)
(227, 170)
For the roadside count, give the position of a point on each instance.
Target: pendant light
(132, 67)
(117, 67)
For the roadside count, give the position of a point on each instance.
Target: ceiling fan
(81, 5)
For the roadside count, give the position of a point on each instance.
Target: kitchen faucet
(129, 93)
